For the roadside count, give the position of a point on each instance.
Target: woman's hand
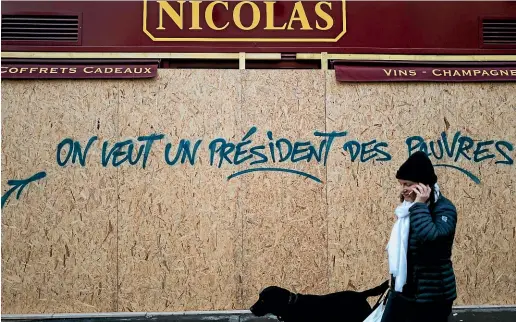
(422, 192)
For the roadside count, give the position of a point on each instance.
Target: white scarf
(398, 243)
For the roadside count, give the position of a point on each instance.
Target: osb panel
(189, 238)
(59, 238)
(179, 233)
(363, 195)
(284, 215)
(485, 256)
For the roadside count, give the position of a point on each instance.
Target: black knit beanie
(418, 168)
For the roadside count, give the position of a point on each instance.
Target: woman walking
(423, 285)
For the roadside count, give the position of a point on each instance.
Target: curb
(460, 314)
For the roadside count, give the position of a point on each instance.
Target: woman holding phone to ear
(423, 285)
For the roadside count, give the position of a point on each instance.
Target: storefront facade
(166, 156)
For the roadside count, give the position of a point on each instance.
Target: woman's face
(407, 192)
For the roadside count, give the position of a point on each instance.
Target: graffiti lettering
(280, 150)
(367, 151)
(462, 147)
(256, 156)
(74, 151)
(183, 151)
(122, 152)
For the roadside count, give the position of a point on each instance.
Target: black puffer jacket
(430, 275)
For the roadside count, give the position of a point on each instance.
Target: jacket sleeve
(424, 228)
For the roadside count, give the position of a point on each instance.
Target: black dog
(345, 306)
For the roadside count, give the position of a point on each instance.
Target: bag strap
(388, 290)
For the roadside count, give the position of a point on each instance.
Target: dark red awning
(403, 72)
(79, 70)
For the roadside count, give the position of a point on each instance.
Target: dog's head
(272, 300)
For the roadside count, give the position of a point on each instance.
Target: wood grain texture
(190, 237)
(177, 250)
(361, 219)
(59, 238)
(284, 215)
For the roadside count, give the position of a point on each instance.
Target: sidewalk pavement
(460, 314)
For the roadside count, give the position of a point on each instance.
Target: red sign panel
(276, 26)
(424, 74)
(28, 71)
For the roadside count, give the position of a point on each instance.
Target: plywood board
(208, 232)
(59, 237)
(361, 218)
(284, 214)
(180, 234)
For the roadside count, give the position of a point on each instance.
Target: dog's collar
(292, 299)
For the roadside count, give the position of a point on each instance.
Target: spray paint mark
(20, 185)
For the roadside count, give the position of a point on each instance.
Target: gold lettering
(434, 72)
(4, 71)
(108, 70)
(118, 70)
(209, 15)
(33, 69)
(23, 69)
(324, 16)
(53, 70)
(456, 73)
(147, 71)
(172, 13)
(98, 71)
(237, 16)
(195, 15)
(13, 70)
(485, 73)
(138, 70)
(43, 70)
(299, 14)
(513, 72)
(388, 73)
(73, 70)
(269, 10)
(475, 72)
(447, 73)
(493, 72)
(128, 70)
(63, 69)
(87, 71)
(412, 72)
(403, 73)
(466, 73)
(504, 72)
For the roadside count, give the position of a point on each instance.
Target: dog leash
(388, 290)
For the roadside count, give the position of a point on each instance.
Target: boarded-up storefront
(192, 189)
